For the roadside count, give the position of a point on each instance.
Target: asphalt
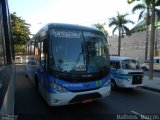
(151, 84)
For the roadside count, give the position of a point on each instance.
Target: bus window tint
(66, 51)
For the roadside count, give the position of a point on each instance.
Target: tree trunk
(147, 34)
(152, 41)
(119, 42)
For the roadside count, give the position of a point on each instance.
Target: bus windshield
(77, 51)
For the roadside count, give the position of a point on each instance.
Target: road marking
(142, 116)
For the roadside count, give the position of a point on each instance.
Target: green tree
(144, 6)
(120, 22)
(101, 28)
(146, 10)
(20, 31)
(153, 4)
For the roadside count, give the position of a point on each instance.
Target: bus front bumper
(77, 97)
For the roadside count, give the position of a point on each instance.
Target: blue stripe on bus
(77, 86)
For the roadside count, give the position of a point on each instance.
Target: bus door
(42, 74)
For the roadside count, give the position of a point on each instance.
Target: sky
(81, 12)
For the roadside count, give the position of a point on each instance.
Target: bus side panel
(7, 89)
(42, 81)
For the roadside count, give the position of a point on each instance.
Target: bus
(125, 72)
(69, 64)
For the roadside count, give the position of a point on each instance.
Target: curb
(150, 88)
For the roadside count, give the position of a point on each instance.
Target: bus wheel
(113, 84)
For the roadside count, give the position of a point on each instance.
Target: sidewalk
(152, 84)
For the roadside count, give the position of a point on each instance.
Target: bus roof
(119, 58)
(70, 26)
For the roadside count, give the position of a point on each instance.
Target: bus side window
(43, 55)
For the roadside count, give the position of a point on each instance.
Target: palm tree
(119, 22)
(153, 4)
(145, 13)
(152, 41)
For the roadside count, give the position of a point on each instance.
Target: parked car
(125, 72)
(145, 65)
(156, 64)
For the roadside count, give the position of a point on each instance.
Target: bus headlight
(58, 88)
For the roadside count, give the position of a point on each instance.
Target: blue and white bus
(69, 64)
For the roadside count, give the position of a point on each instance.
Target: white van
(18, 60)
(156, 64)
(125, 72)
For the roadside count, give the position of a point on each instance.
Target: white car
(145, 65)
(156, 64)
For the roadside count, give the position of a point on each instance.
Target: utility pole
(152, 41)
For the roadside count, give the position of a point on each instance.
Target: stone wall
(133, 46)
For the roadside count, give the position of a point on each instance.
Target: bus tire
(113, 84)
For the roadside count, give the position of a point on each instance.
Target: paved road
(30, 105)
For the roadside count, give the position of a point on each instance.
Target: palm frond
(113, 22)
(139, 7)
(114, 30)
(141, 15)
(127, 31)
(126, 21)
